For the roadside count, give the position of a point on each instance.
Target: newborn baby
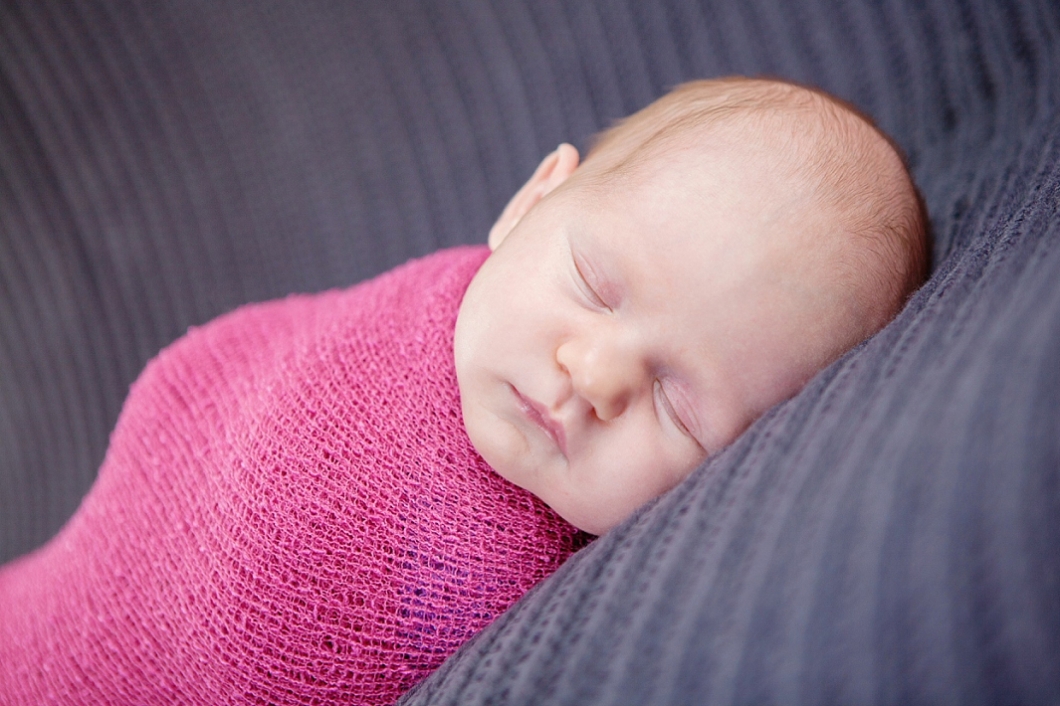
(639, 311)
(299, 503)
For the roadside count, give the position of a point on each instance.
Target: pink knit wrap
(290, 511)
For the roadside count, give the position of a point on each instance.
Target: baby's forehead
(810, 134)
(841, 170)
(664, 228)
(668, 239)
(732, 177)
(835, 189)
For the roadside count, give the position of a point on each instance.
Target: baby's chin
(595, 527)
(506, 451)
(583, 511)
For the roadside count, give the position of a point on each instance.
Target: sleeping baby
(318, 499)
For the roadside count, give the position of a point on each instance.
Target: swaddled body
(290, 509)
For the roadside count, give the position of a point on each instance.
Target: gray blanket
(891, 535)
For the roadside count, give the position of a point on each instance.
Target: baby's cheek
(684, 458)
(642, 471)
(499, 444)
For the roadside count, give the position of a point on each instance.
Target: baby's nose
(603, 372)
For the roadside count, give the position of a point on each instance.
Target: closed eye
(587, 289)
(663, 401)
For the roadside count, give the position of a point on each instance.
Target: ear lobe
(553, 171)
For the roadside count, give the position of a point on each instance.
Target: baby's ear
(553, 171)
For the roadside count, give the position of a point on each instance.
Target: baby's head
(641, 309)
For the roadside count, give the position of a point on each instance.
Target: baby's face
(612, 341)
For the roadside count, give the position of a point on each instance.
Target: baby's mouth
(538, 414)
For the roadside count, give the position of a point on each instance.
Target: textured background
(890, 535)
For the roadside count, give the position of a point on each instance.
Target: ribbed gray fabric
(890, 535)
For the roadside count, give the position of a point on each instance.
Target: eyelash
(668, 406)
(659, 392)
(587, 288)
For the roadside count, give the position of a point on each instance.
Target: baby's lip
(538, 414)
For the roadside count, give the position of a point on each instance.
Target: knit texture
(289, 512)
(888, 537)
